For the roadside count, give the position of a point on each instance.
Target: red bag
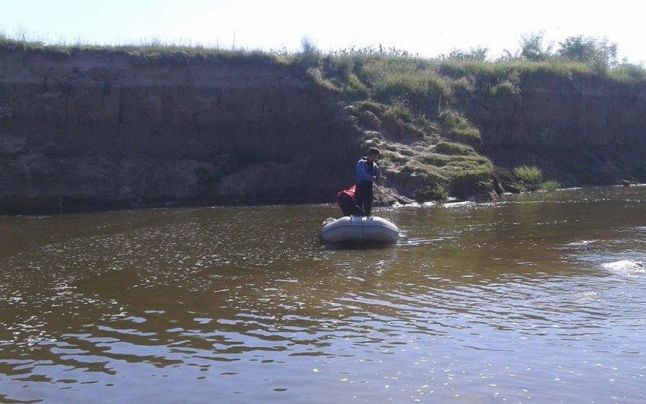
(351, 192)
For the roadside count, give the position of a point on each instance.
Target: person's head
(373, 155)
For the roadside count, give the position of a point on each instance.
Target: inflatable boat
(356, 229)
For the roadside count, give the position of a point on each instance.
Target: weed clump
(460, 129)
(530, 176)
(437, 192)
(453, 149)
(550, 186)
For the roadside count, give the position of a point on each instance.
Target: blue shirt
(365, 171)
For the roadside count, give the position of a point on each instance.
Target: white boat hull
(360, 229)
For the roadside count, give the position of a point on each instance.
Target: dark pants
(364, 197)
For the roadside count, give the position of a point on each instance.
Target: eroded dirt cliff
(88, 129)
(99, 129)
(580, 129)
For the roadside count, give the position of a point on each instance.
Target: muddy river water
(532, 298)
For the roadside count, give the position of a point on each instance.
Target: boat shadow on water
(357, 245)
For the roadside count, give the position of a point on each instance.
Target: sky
(427, 28)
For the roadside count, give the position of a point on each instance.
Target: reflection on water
(535, 297)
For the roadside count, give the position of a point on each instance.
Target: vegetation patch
(371, 106)
(436, 159)
(453, 149)
(420, 90)
(530, 176)
(459, 128)
(550, 186)
(437, 192)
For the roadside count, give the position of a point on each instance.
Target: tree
(532, 47)
(308, 45)
(310, 55)
(598, 53)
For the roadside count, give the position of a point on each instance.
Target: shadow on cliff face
(580, 129)
(103, 130)
(576, 167)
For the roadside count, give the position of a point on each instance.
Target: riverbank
(87, 128)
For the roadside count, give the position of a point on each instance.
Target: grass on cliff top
(388, 71)
(153, 51)
(458, 69)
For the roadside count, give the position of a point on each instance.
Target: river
(538, 297)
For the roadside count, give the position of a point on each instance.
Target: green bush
(453, 120)
(531, 176)
(503, 70)
(309, 56)
(476, 166)
(463, 86)
(477, 54)
(488, 89)
(628, 73)
(550, 186)
(532, 47)
(374, 107)
(317, 76)
(354, 87)
(404, 80)
(470, 136)
(506, 87)
(437, 192)
(453, 149)
(339, 66)
(436, 159)
(420, 90)
(400, 113)
(460, 129)
(595, 52)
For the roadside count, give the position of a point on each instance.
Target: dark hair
(373, 152)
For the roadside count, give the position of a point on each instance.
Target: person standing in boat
(367, 173)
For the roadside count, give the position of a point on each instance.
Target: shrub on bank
(460, 129)
(466, 184)
(453, 149)
(437, 192)
(374, 107)
(531, 176)
(550, 186)
(628, 73)
(421, 91)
